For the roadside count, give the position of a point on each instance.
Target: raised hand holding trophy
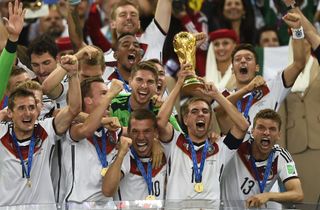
(184, 45)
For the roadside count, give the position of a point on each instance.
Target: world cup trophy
(184, 45)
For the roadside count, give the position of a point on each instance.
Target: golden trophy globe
(184, 45)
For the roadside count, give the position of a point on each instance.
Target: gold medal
(104, 171)
(198, 187)
(28, 182)
(150, 197)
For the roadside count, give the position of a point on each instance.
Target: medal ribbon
(102, 153)
(248, 105)
(147, 176)
(25, 171)
(125, 85)
(198, 171)
(266, 172)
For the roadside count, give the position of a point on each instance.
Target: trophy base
(191, 86)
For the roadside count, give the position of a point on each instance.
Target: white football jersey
(239, 179)
(181, 180)
(81, 168)
(134, 187)
(269, 97)
(61, 101)
(14, 189)
(151, 41)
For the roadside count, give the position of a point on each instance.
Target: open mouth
(142, 94)
(131, 58)
(265, 142)
(200, 125)
(243, 70)
(159, 87)
(26, 121)
(142, 146)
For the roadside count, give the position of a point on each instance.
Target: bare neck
(196, 139)
(223, 66)
(20, 135)
(136, 105)
(124, 73)
(257, 155)
(240, 85)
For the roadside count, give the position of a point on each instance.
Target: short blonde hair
(30, 85)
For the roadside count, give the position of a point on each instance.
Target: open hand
(14, 24)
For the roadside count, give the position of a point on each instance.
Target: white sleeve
(286, 166)
(125, 167)
(48, 125)
(225, 152)
(154, 38)
(3, 128)
(168, 147)
(277, 89)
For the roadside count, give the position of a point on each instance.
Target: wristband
(297, 33)
(11, 46)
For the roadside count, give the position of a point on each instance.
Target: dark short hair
(264, 29)
(268, 114)
(115, 45)
(19, 92)
(245, 46)
(147, 66)
(142, 114)
(86, 88)
(43, 44)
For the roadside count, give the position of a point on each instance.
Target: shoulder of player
(282, 153)
(120, 99)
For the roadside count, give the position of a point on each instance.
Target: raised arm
(164, 126)
(113, 176)
(52, 86)
(93, 122)
(74, 27)
(309, 30)
(293, 193)
(63, 119)
(14, 27)
(240, 124)
(299, 59)
(163, 14)
(224, 121)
